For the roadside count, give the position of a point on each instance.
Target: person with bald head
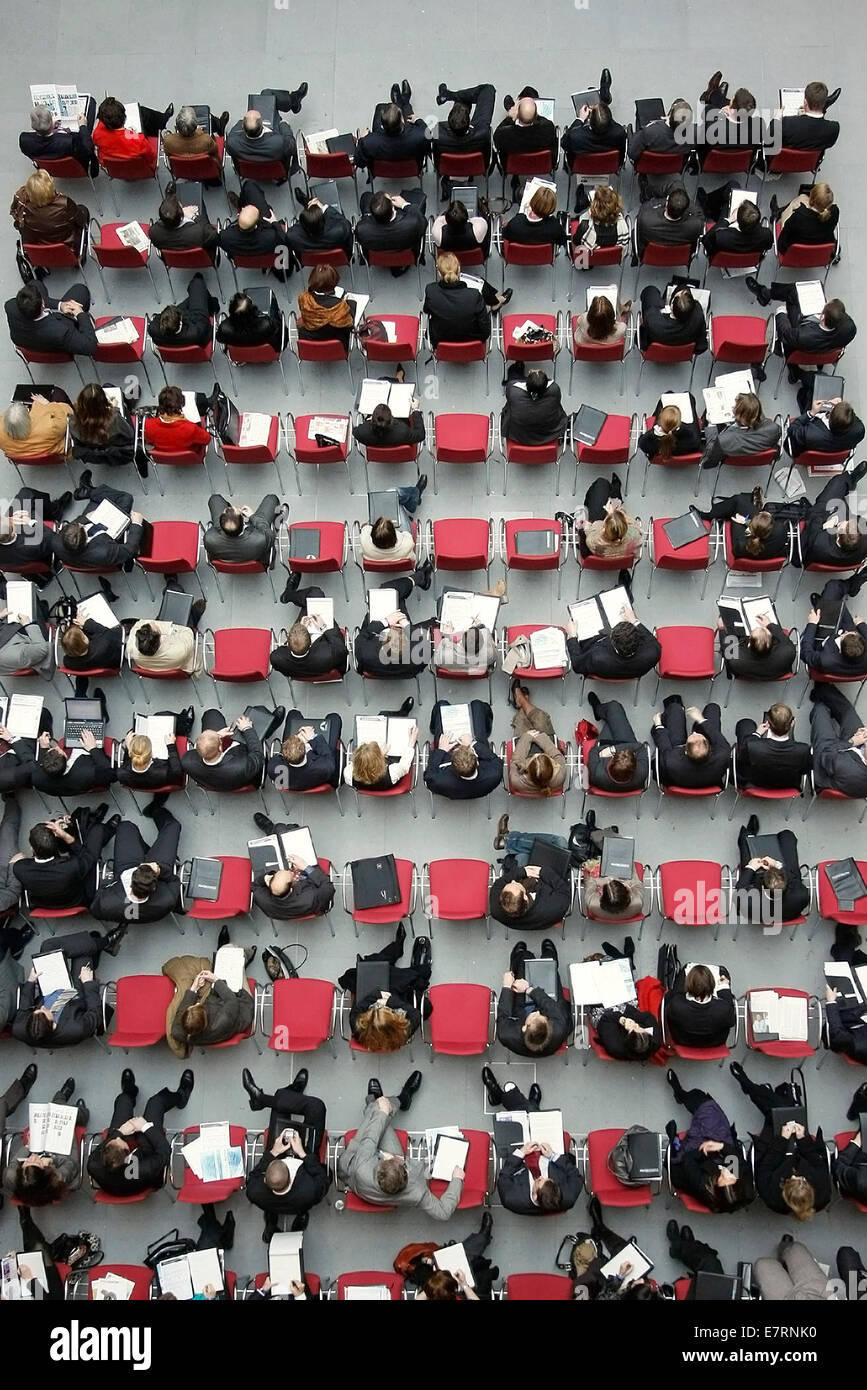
(256, 230)
(302, 890)
(252, 137)
(697, 760)
(289, 1178)
(226, 757)
(524, 131)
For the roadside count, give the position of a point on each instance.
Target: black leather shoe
(605, 86)
(549, 949)
(263, 823)
(833, 96)
(85, 486)
(406, 89)
(395, 93)
(761, 293)
(112, 941)
(156, 801)
(492, 1087)
(672, 1232)
(301, 1078)
(28, 1077)
(422, 482)
(297, 97)
(442, 94)
(67, 1088)
(422, 953)
(185, 1089)
(502, 831)
(487, 1225)
(249, 955)
(859, 1103)
(127, 1082)
(408, 1089)
(594, 702)
(277, 717)
(223, 938)
(407, 707)
(256, 1094)
(374, 1087)
(534, 1095)
(292, 583)
(400, 935)
(753, 825)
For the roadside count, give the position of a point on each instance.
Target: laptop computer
(540, 972)
(587, 424)
(203, 880)
(468, 194)
(582, 99)
(618, 857)
(683, 530)
(783, 1114)
(203, 116)
(80, 715)
(765, 847)
(385, 503)
(371, 977)
(648, 109)
(176, 608)
(716, 1288)
(827, 387)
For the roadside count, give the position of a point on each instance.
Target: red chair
(671, 789)
(732, 260)
(693, 893)
(614, 448)
(175, 547)
(391, 260)
(139, 1275)
(140, 1004)
(745, 564)
(829, 794)
(841, 1140)
(263, 355)
(527, 164)
(765, 458)
(130, 170)
(125, 354)
(664, 354)
(535, 673)
(356, 1203)
(688, 654)
(829, 908)
(514, 350)
(809, 256)
(550, 532)
(474, 1191)
(787, 161)
(384, 916)
(538, 1288)
(461, 544)
(800, 358)
(457, 166)
(663, 556)
(719, 160)
(591, 353)
(235, 893)
(325, 166)
(68, 168)
(666, 460)
(460, 1025)
(54, 460)
(590, 167)
(461, 439)
(366, 1279)
(110, 253)
(302, 1016)
(583, 258)
(696, 1054)
(780, 1048)
(240, 655)
(31, 358)
(197, 168)
(396, 169)
(313, 1282)
(246, 454)
(368, 566)
(661, 254)
(394, 454)
(788, 794)
(190, 355)
(740, 340)
(333, 553)
(187, 260)
(526, 254)
(57, 255)
(301, 445)
(478, 350)
(193, 1189)
(653, 163)
(407, 332)
(305, 349)
(587, 915)
(264, 170)
(602, 1182)
(535, 455)
(507, 752)
(456, 890)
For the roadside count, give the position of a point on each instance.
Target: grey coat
(358, 1163)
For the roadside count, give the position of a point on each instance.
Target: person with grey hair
(46, 140)
(30, 433)
(189, 138)
(24, 642)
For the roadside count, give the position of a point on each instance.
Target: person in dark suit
(768, 754)
(833, 534)
(749, 433)
(467, 129)
(530, 1022)
(746, 232)
(839, 742)
(809, 129)
(792, 1170)
(146, 887)
(759, 530)
(382, 431)
(670, 134)
(696, 1013)
(627, 1032)
(810, 219)
(24, 537)
(846, 1030)
(46, 139)
(36, 1022)
(828, 427)
(310, 757)
(246, 325)
(210, 1011)
(310, 648)
(533, 413)
(41, 1179)
(385, 1021)
(141, 771)
(396, 132)
(539, 225)
(56, 773)
(228, 769)
(616, 761)
(250, 138)
(696, 760)
(398, 649)
(526, 894)
(766, 653)
(239, 534)
(457, 313)
(796, 331)
(849, 1165)
(769, 891)
(42, 324)
(842, 648)
(628, 650)
(189, 323)
(134, 1153)
(62, 872)
(669, 221)
(320, 227)
(467, 768)
(256, 229)
(84, 542)
(670, 435)
(675, 325)
(707, 1163)
(727, 124)
(172, 231)
(296, 1128)
(302, 890)
(594, 131)
(392, 222)
(524, 131)
(534, 1180)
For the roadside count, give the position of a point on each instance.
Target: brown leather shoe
(502, 832)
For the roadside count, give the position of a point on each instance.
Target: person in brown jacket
(30, 433)
(189, 138)
(537, 768)
(42, 215)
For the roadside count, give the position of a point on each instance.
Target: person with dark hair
(675, 324)
(673, 133)
(256, 229)
(596, 1248)
(627, 1032)
(324, 314)
(467, 128)
(51, 1021)
(228, 757)
(47, 139)
(727, 123)
(375, 1167)
(182, 228)
(839, 742)
(101, 433)
(708, 1162)
(392, 222)
(792, 1171)
(834, 643)
(238, 534)
(538, 764)
(438, 1285)
(309, 756)
(606, 898)
(157, 645)
(290, 1177)
(210, 1012)
(750, 432)
(38, 323)
(808, 128)
(531, 1022)
(169, 428)
(319, 227)
(397, 649)
(758, 531)
(302, 890)
(616, 761)
(57, 773)
(697, 1012)
(381, 430)
(66, 850)
(670, 221)
(746, 232)
(397, 133)
(594, 131)
(800, 332)
(133, 1154)
(466, 768)
(188, 323)
(524, 131)
(114, 139)
(768, 754)
(382, 539)
(85, 542)
(253, 138)
(309, 646)
(454, 230)
(40, 1179)
(146, 886)
(525, 895)
(535, 1180)
(25, 539)
(540, 224)
(695, 760)
(533, 413)
(246, 325)
(826, 427)
(386, 1021)
(628, 650)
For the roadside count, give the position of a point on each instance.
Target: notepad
(51, 1127)
(531, 188)
(158, 728)
(285, 1261)
(381, 603)
(601, 612)
(682, 400)
(453, 1259)
(323, 609)
(463, 609)
(791, 100)
(684, 530)
(95, 608)
(608, 292)
(456, 721)
(738, 196)
(631, 1255)
(392, 733)
(811, 296)
(587, 424)
(110, 518)
(548, 646)
(618, 857)
(449, 1152)
(19, 600)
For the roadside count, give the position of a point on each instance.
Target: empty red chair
(325, 166)
(174, 548)
(688, 654)
(371, 1278)
(333, 550)
(691, 893)
(240, 655)
(407, 331)
(306, 349)
(110, 253)
(193, 1189)
(663, 556)
(665, 355)
(602, 1181)
(739, 340)
(456, 890)
(539, 1288)
(829, 908)
(518, 559)
(391, 260)
(140, 1010)
(302, 1015)
(139, 1275)
(461, 544)
(394, 912)
(245, 454)
(461, 439)
(461, 1020)
(476, 350)
(31, 358)
(474, 1191)
(535, 455)
(457, 166)
(787, 161)
(234, 892)
(656, 253)
(527, 254)
(301, 445)
(778, 1047)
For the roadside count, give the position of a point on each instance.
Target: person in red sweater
(170, 429)
(113, 139)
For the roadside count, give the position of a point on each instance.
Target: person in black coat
(850, 1164)
(768, 754)
(670, 221)
(847, 1032)
(839, 742)
(62, 872)
(256, 230)
(467, 129)
(253, 137)
(56, 774)
(47, 140)
(133, 1154)
(626, 1032)
(828, 427)
(796, 331)
(526, 895)
(392, 222)
(833, 533)
(696, 760)
(809, 220)
(534, 1181)
(457, 313)
(42, 324)
(792, 1170)
(766, 653)
(530, 1022)
(396, 132)
(24, 537)
(671, 435)
(274, 1186)
(310, 649)
(88, 646)
(841, 649)
(533, 414)
(398, 649)
(708, 1163)
(685, 323)
(232, 768)
(524, 131)
(385, 1021)
(759, 530)
(539, 225)
(139, 770)
(628, 650)
(696, 1014)
(302, 890)
(320, 227)
(746, 232)
(239, 534)
(808, 129)
(146, 887)
(188, 323)
(36, 1022)
(172, 233)
(673, 133)
(382, 431)
(769, 891)
(84, 542)
(310, 757)
(247, 326)
(594, 131)
(616, 761)
(467, 768)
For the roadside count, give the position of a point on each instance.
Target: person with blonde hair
(757, 532)
(793, 1175)
(386, 1021)
(810, 219)
(670, 434)
(459, 313)
(539, 224)
(606, 528)
(373, 768)
(42, 216)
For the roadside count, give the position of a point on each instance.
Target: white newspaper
(156, 727)
(63, 101)
(229, 966)
(19, 600)
(191, 411)
(317, 143)
(255, 430)
(548, 646)
(532, 187)
(52, 1127)
(539, 1127)
(332, 426)
(603, 982)
(391, 733)
(367, 1293)
(133, 234)
(113, 334)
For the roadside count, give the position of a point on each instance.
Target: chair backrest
(331, 255)
(457, 165)
(802, 255)
(143, 166)
(461, 352)
(65, 168)
(522, 253)
(603, 162)
(787, 161)
(263, 352)
(721, 161)
(735, 260)
(529, 162)
(53, 254)
(391, 259)
(321, 349)
(198, 168)
(668, 352)
(261, 170)
(184, 258)
(660, 253)
(532, 453)
(328, 166)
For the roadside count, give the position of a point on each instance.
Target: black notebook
(176, 608)
(304, 543)
(683, 530)
(203, 882)
(266, 104)
(341, 144)
(783, 1114)
(507, 1134)
(645, 1151)
(371, 977)
(648, 109)
(203, 116)
(374, 882)
(387, 504)
(587, 424)
(260, 718)
(264, 858)
(582, 99)
(296, 721)
(845, 879)
(842, 982)
(827, 387)
(546, 856)
(536, 542)
(618, 857)
(764, 847)
(540, 972)
(716, 1288)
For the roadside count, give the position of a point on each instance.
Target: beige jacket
(177, 649)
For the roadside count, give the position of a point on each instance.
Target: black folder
(648, 109)
(374, 882)
(545, 856)
(385, 503)
(645, 1151)
(781, 1115)
(341, 144)
(765, 847)
(716, 1288)
(176, 608)
(371, 977)
(587, 424)
(203, 882)
(845, 879)
(683, 530)
(540, 972)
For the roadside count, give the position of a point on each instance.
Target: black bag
(62, 613)
(668, 967)
(25, 269)
(168, 1247)
(225, 417)
(374, 882)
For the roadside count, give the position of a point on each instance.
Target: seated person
(538, 765)
(256, 229)
(385, 1022)
(749, 433)
(25, 644)
(467, 768)
(310, 648)
(396, 649)
(839, 742)
(322, 313)
(454, 230)
(189, 138)
(593, 1250)
(746, 232)
(146, 886)
(669, 221)
(594, 131)
(530, 1022)
(392, 222)
(670, 436)
(156, 645)
(100, 432)
(437, 1285)
(602, 224)
(110, 1162)
(599, 324)
(524, 131)
(40, 1179)
(84, 542)
(302, 890)
(170, 430)
(247, 326)
(628, 651)
(627, 1033)
(696, 760)
(114, 139)
(828, 427)
(539, 225)
(28, 432)
(669, 134)
(675, 324)
(42, 216)
(810, 219)
(729, 124)
(616, 761)
(320, 227)
(471, 648)
(457, 313)
(526, 894)
(697, 1014)
(607, 529)
(189, 323)
(766, 653)
(799, 332)
(38, 323)
(850, 1164)
(62, 872)
(140, 770)
(382, 431)
(180, 228)
(534, 1180)
(208, 1011)
(38, 1022)
(769, 891)
(296, 1127)
(845, 1025)
(793, 1274)
(252, 138)
(708, 1163)
(533, 413)
(768, 754)
(309, 758)
(808, 129)
(374, 1166)
(397, 132)
(833, 642)
(25, 538)
(372, 768)
(46, 138)
(239, 534)
(606, 898)
(758, 532)
(467, 129)
(791, 1169)
(235, 766)
(833, 532)
(57, 773)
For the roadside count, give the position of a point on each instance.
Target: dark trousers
(215, 1234)
(403, 101)
(692, 1099)
(14, 1094)
(599, 492)
(481, 718)
(831, 598)
(402, 979)
(79, 948)
(849, 1262)
(831, 708)
(614, 724)
(300, 596)
(513, 1099)
(766, 1097)
(130, 849)
(252, 194)
(286, 100)
(30, 500)
(154, 1112)
(519, 957)
(415, 196)
(152, 122)
(294, 1110)
(79, 292)
(788, 852)
(726, 507)
(696, 1255)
